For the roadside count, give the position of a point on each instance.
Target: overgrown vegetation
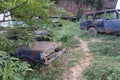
(62, 34)
(103, 69)
(106, 63)
(107, 52)
(12, 69)
(65, 35)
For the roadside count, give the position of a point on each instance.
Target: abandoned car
(104, 21)
(42, 52)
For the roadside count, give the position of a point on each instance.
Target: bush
(12, 69)
(103, 71)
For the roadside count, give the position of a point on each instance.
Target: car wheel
(92, 31)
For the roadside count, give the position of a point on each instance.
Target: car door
(112, 22)
(98, 21)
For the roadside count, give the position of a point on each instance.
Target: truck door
(112, 22)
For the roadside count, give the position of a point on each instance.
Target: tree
(33, 12)
(26, 10)
(97, 4)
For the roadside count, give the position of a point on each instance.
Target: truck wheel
(92, 31)
(32, 64)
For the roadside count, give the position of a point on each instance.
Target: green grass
(75, 57)
(106, 63)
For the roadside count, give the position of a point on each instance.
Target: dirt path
(75, 72)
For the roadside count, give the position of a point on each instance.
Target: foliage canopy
(25, 10)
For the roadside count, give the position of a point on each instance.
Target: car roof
(100, 11)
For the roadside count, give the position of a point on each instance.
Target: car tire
(92, 31)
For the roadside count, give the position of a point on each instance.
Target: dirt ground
(76, 72)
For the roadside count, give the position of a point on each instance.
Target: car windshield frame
(89, 16)
(119, 13)
(99, 15)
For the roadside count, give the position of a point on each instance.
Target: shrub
(12, 69)
(6, 45)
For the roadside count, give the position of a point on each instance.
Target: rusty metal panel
(43, 45)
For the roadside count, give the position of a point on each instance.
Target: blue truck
(104, 21)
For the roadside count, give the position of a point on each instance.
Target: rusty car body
(42, 52)
(104, 21)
